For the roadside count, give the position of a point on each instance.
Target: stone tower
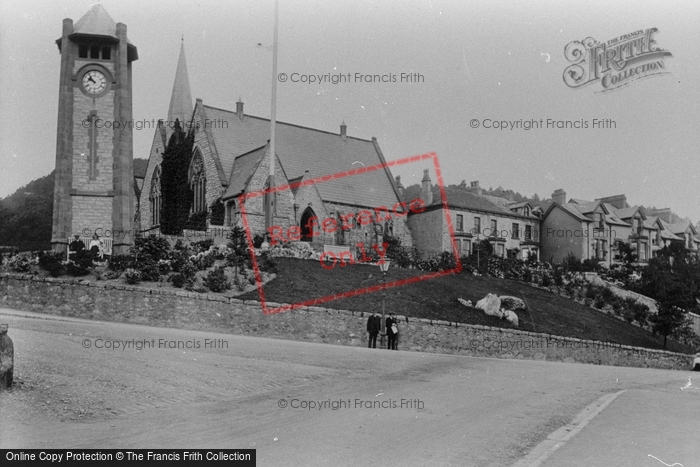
(94, 190)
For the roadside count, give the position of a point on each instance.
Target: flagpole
(269, 209)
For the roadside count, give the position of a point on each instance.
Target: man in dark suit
(77, 244)
(392, 337)
(374, 322)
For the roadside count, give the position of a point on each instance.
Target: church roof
(243, 170)
(299, 149)
(181, 98)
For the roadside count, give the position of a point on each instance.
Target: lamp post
(384, 267)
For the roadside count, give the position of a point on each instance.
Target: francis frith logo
(614, 63)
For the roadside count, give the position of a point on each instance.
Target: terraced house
(513, 232)
(596, 229)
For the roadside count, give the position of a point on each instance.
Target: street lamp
(384, 267)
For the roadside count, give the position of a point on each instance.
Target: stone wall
(181, 309)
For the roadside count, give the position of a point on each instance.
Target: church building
(230, 160)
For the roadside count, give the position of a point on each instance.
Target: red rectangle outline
(352, 293)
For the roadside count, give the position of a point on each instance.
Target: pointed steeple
(181, 99)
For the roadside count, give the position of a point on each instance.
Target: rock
(511, 317)
(491, 305)
(512, 303)
(465, 302)
(7, 358)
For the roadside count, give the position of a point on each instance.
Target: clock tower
(94, 190)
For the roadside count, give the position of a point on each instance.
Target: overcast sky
(478, 59)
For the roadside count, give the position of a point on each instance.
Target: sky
(479, 62)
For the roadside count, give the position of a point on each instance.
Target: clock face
(94, 82)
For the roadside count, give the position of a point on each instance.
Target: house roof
(569, 209)
(462, 199)
(679, 227)
(585, 208)
(299, 149)
(579, 201)
(243, 170)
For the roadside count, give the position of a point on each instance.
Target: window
(198, 183)
(528, 232)
(460, 223)
(95, 52)
(477, 225)
(494, 228)
(155, 197)
(466, 247)
(458, 245)
(500, 249)
(526, 211)
(516, 231)
(642, 252)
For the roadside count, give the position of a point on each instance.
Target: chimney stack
(399, 186)
(474, 187)
(343, 130)
(426, 191)
(559, 196)
(239, 108)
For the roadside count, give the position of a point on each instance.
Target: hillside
(27, 214)
(299, 280)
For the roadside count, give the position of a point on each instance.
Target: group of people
(374, 327)
(96, 247)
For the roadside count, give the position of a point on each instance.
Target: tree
(175, 189)
(672, 278)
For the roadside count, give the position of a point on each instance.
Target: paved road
(456, 410)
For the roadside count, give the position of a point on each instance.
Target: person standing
(392, 332)
(374, 322)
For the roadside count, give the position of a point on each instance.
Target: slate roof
(299, 149)
(462, 199)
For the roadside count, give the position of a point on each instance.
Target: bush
(164, 267)
(19, 263)
(203, 261)
(120, 263)
(80, 263)
(216, 280)
(546, 280)
(113, 274)
(266, 262)
(178, 258)
(149, 270)
(132, 276)
(599, 302)
(202, 246)
(558, 277)
(189, 272)
(52, 262)
(258, 240)
(592, 292)
(152, 246)
(178, 280)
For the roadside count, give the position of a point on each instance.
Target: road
(391, 408)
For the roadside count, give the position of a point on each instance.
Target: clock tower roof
(98, 24)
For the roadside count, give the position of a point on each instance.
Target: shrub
(546, 280)
(178, 258)
(164, 267)
(202, 246)
(52, 262)
(203, 260)
(152, 246)
(258, 240)
(558, 277)
(607, 294)
(132, 276)
(80, 263)
(178, 280)
(266, 262)
(189, 272)
(216, 280)
(592, 292)
(112, 274)
(19, 263)
(149, 270)
(641, 314)
(120, 263)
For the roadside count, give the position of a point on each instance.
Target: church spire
(181, 99)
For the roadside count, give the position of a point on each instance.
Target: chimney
(559, 196)
(619, 201)
(426, 191)
(239, 108)
(475, 188)
(399, 186)
(343, 130)
(663, 214)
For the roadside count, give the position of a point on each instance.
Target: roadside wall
(188, 310)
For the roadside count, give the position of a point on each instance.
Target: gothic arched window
(155, 198)
(198, 183)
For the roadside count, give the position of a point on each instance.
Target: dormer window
(526, 211)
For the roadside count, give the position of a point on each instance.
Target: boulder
(491, 305)
(512, 303)
(7, 358)
(511, 317)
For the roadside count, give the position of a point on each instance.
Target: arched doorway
(307, 229)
